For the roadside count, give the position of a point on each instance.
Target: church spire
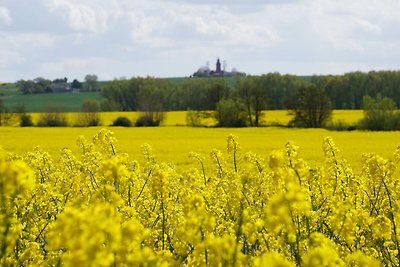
(218, 69)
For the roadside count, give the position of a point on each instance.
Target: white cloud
(174, 37)
(26, 41)
(88, 16)
(10, 58)
(5, 16)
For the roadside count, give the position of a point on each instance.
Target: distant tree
(42, 85)
(230, 113)
(91, 83)
(380, 114)
(52, 116)
(89, 115)
(310, 106)
(60, 80)
(201, 93)
(76, 84)
(7, 118)
(251, 91)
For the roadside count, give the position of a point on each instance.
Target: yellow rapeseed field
(173, 144)
(178, 118)
(99, 206)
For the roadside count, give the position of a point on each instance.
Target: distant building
(60, 88)
(205, 71)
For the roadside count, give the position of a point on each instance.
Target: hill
(70, 102)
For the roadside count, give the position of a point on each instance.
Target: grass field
(173, 144)
(11, 96)
(37, 102)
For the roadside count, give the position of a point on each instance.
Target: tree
(89, 115)
(91, 83)
(380, 114)
(310, 106)
(7, 118)
(52, 116)
(230, 113)
(76, 84)
(254, 97)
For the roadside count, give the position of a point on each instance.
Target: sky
(172, 38)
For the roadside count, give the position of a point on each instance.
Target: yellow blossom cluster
(98, 207)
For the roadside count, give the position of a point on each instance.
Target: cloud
(87, 16)
(5, 16)
(175, 37)
(15, 49)
(10, 58)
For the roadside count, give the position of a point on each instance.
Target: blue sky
(169, 38)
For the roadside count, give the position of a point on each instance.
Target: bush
(150, 119)
(340, 126)
(89, 115)
(380, 114)
(122, 121)
(52, 117)
(230, 113)
(26, 120)
(195, 118)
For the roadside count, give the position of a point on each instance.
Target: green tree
(52, 116)
(251, 91)
(230, 113)
(91, 83)
(89, 115)
(310, 106)
(380, 114)
(76, 84)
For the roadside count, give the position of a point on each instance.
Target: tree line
(310, 99)
(41, 85)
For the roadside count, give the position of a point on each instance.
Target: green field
(37, 102)
(11, 96)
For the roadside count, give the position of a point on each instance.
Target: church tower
(218, 69)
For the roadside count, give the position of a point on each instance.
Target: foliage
(201, 93)
(380, 114)
(76, 84)
(310, 106)
(143, 94)
(52, 116)
(89, 115)
(150, 119)
(26, 120)
(122, 121)
(99, 207)
(195, 118)
(91, 83)
(230, 113)
(7, 117)
(37, 86)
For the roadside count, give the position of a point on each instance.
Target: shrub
(122, 121)
(380, 114)
(89, 115)
(26, 120)
(195, 118)
(52, 117)
(340, 126)
(150, 119)
(230, 113)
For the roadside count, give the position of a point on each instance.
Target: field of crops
(178, 118)
(250, 198)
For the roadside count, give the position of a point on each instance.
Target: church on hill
(219, 71)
